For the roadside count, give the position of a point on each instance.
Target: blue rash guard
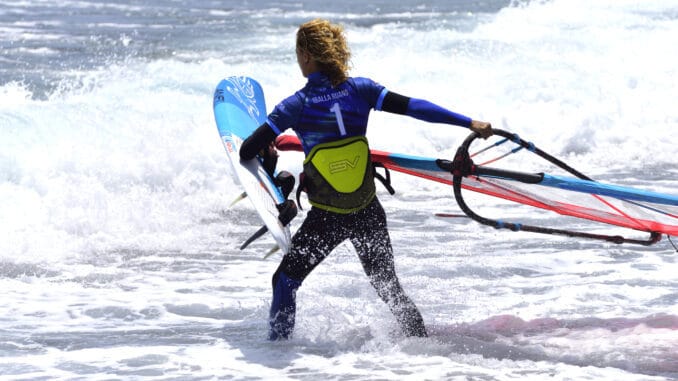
(320, 113)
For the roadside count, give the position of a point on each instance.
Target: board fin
(272, 251)
(288, 210)
(241, 197)
(254, 236)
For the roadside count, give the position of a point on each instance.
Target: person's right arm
(284, 116)
(261, 138)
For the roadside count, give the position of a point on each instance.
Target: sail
(573, 194)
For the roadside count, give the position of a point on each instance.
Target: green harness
(339, 176)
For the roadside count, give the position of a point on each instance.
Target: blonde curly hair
(326, 44)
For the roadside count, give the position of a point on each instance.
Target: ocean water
(119, 252)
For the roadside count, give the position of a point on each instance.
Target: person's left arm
(430, 112)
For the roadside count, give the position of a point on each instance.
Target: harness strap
(301, 188)
(385, 181)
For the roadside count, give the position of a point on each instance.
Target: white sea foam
(119, 255)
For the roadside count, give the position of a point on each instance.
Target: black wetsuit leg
(373, 245)
(317, 236)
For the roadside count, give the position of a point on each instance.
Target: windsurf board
(239, 108)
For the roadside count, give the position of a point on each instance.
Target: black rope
(672, 244)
